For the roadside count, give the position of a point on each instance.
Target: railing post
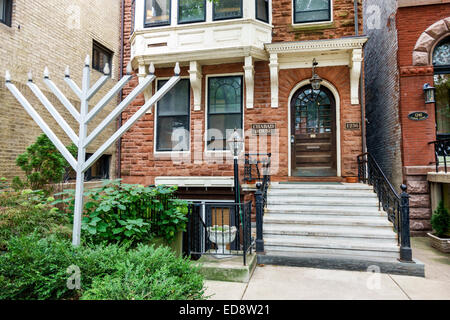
(405, 239)
(259, 218)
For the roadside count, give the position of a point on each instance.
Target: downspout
(119, 119)
(361, 84)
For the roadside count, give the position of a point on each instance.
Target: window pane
(224, 110)
(312, 10)
(441, 55)
(442, 84)
(225, 95)
(262, 10)
(2, 9)
(227, 9)
(176, 101)
(191, 10)
(173, 133)
(157, 12)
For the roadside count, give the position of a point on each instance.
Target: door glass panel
(313, 112)
(442, 84)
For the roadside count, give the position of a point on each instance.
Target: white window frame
(155, 123)
(205, 139)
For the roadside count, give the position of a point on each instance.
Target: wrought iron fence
(441, 150)
(396, 206)
(219, 229)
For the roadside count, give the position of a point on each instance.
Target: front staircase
(329, 225)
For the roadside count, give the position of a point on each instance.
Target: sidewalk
(288, 283)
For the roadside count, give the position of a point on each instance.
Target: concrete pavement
(289, 283)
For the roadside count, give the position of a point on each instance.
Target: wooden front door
(313, 133)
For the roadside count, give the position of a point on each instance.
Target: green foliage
(149, 274)
(29, 211)
(123, 213)
(3, 184)
(440, 221)
(42, 164)
(35, 268)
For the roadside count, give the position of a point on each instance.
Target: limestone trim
(195, 73)
(423, 50)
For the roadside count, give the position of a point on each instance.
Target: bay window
(191, 11)
(227, 9)
(172, 123)
(225, 100)
(157, 13)
(312, 11)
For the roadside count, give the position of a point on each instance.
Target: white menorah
(84, 117)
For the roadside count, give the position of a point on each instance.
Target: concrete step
(320, 186)
(343, 246)
(321, 201)
(354, 262)
(374, 241)
(329, 231)
(296, 219)
(321, 193)
(339, 211)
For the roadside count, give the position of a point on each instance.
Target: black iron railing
(441, 150)
(219, 229)
(395, 205)
(257, 169)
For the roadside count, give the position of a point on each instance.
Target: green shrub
(42, 164)
(35, 268)
(149, 274)
(25, 212)
(123, 213)
(440, 221)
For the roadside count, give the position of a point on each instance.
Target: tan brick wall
(47, 33)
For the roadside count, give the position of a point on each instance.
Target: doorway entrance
(313, 133)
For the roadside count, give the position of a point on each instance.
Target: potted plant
(222, 236)
(440, 221)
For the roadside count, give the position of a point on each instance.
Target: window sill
(311, 26)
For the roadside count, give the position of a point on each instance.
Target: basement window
(190, 11)
(6, 12)
(100, 56)
(100, 170)
(173, 113)
(307, 11)
(157, 13)
(227, 9)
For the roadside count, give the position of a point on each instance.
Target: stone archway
(428, 39)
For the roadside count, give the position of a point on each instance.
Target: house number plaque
(352, 126)
(263, 129)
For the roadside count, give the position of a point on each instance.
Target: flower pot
(222, 238)
(351, 179)
(442, 244)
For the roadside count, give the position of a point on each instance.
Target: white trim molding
(195, 73)
(274, 69)
(329, 52)
(249, 82)
(337, 97)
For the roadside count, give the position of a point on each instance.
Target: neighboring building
(245, 63)
(408, 48)
(54, 33)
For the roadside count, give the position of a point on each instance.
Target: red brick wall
(343, 22)
(412, 22)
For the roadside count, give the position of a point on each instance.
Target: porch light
(235, 143)
(429, 93)
(316, 80)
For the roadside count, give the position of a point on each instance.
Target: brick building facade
(394, 90)
(272, 53)
(54, 34)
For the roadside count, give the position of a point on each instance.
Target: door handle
(292, 139)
